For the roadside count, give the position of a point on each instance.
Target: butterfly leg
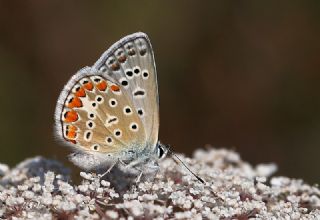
(139, 177)
(131, 166)
(110, 168)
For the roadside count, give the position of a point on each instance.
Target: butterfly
(109, 113)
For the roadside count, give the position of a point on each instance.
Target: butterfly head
(161, 150)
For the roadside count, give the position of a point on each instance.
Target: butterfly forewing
(112, 106)
(130, 62)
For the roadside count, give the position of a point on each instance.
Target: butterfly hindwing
(97, 116)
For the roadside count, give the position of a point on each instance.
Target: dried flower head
(39, 188)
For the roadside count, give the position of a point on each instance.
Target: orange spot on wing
(75, 102)
(71, 116)
(88, 86)
(81, 92)
(102, 85)
(71, 134)
(72, 128)
(115, 88)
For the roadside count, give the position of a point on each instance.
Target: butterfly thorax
(144, 160)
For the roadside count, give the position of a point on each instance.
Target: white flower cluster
(39, 188)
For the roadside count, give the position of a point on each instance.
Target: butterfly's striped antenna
(177, 159)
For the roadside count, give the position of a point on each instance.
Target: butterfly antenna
(177, 158)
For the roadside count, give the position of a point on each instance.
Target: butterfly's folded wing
(112, 106)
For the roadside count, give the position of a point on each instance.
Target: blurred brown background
(241, 75)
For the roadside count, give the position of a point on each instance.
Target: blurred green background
(237, 74)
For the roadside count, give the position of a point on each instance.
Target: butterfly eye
(161, 152)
